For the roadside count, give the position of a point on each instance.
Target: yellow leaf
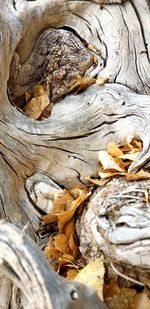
(114, 150)
(137, 176)
(101, 81)
(40, 100)
(110, 163)
(71, 274)
(93, 275)
(81, 83)
(38, 90)
(130, 156)
(133, 143)
(105, 175)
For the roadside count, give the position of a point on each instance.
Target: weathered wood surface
(115, 223)
(64, 147)
(26, 266)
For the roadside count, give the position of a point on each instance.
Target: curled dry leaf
(118, 298)
(37, 101)
(122, 298)
(93, 275)
(110, 163)
(114, 150)
(137, 176)
(71, 274)
(116, 160)
(67, 205)
(141, 301)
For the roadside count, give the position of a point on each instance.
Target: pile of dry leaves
(62, 248)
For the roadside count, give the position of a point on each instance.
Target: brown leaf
(64, 218)
(71, 274)
(52, 252)
(51, 218)
(112, 289)
(106, 175)
(62, 201)
(130, 156)
(110, 163)
(64, 244)
(40, 100)
(61, 243)
(142, 301)
(114, 150)
(134, 144)
(81, 83)
(137, 176)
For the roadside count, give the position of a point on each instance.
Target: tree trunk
(62, 150)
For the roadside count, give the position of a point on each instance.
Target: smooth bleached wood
(62, 150)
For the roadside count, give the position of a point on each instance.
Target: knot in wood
(58, 57)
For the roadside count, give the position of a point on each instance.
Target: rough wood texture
(116, 223)
(25, 265)
(64, 147)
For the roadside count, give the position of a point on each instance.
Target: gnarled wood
(115, 223)
(22, 262)
(64, 147)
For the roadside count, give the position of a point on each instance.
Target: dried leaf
(117, 302)
(142, 301)
(133, 143)
(71, 274)
(61, 243)
(51, 218)
(114, 150)
(137, 176)
(119, 298)
(62, 201)
(66, 204)
(93, 275)
(101, 81)
(95, 60)
(67, 258)
(110, 163)
(105, 175)
(112, 289)
(51, 252)
(81, 83)
(130, 156)
(64, 218)
(40, 100)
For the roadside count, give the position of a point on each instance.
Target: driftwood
(22, 261)
(115, 223)
(62, 150)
